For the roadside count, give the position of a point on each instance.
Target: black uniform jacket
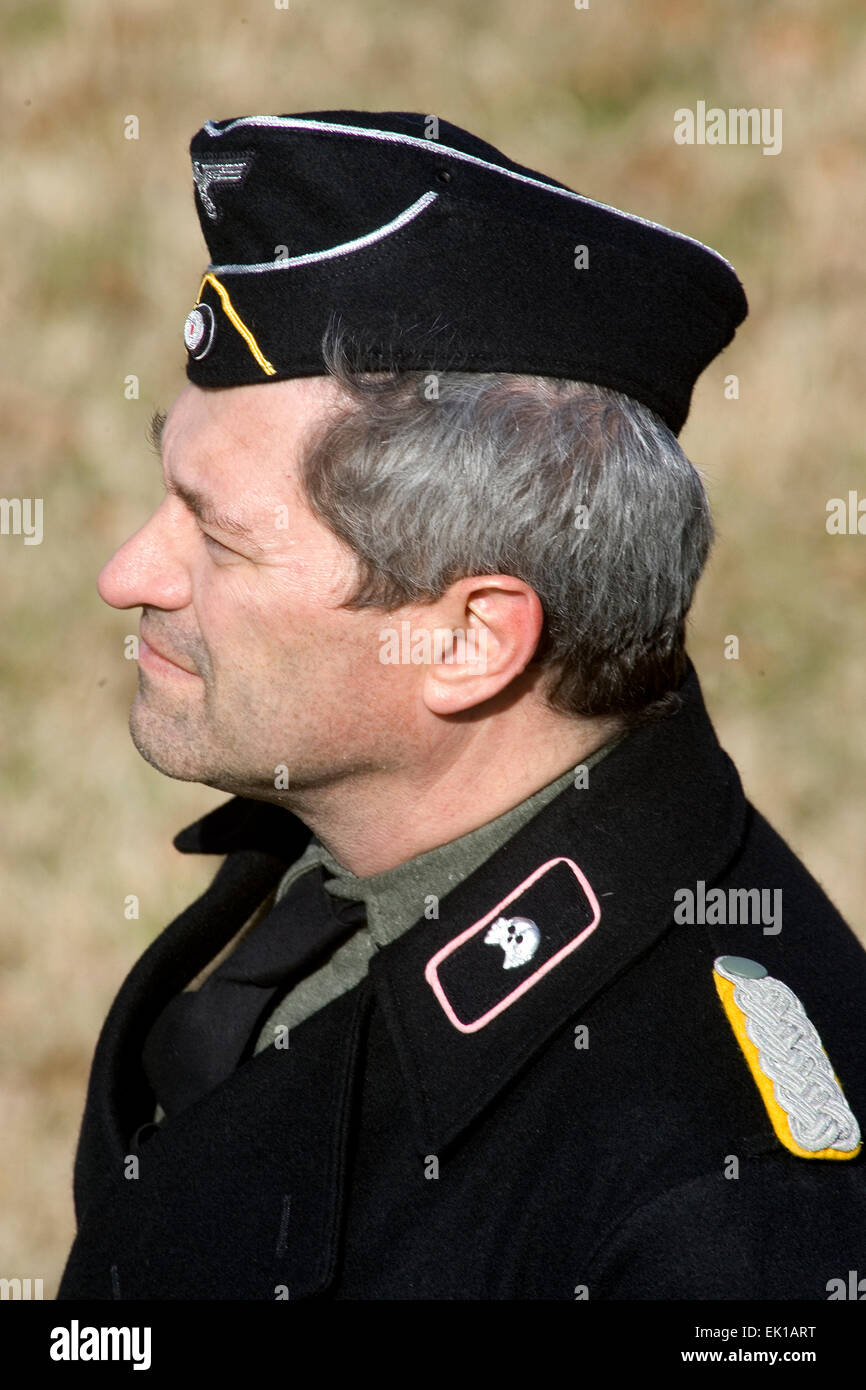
(581, 1125)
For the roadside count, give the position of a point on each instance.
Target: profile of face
(247, 663)
(253, 676)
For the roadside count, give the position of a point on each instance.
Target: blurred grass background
(102, 259)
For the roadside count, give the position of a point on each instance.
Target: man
(503, 990)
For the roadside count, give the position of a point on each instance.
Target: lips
(166, 657)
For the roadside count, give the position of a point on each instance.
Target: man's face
(247, 664)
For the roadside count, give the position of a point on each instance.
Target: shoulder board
(798, 1086)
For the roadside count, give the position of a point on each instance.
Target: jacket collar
(243, 824)
(595, 870)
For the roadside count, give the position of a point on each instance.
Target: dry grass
(105, 258)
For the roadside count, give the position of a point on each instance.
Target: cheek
(258, 619)
(235, 619)
(256, 622)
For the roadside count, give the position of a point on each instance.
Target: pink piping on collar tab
(431, 973)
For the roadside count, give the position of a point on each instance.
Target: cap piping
(396, 138)
(344, 248)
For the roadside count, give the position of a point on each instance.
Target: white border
(433, 146)
(345, 247)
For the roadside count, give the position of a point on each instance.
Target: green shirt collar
(398, 897)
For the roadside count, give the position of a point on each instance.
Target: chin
(163, 748)
(182, 755)
(164, 760)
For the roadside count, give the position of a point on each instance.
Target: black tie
(203, 1035)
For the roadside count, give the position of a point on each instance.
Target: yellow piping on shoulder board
(801, 1092)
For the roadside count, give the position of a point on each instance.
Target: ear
(492, 626)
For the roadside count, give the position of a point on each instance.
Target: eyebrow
(154, 431)
(198, 503)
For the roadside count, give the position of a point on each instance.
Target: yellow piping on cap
(238, 323)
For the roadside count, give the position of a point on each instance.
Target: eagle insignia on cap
(805, 1103)
(207, 172)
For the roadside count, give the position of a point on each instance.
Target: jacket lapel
(119, 1098)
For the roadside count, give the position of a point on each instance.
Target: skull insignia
(518, 937)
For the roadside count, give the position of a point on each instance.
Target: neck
(472, 775)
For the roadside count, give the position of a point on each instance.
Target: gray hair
(578, 490)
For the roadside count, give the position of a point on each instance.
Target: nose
(151, 569)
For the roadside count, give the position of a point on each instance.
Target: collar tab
(474, 983)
